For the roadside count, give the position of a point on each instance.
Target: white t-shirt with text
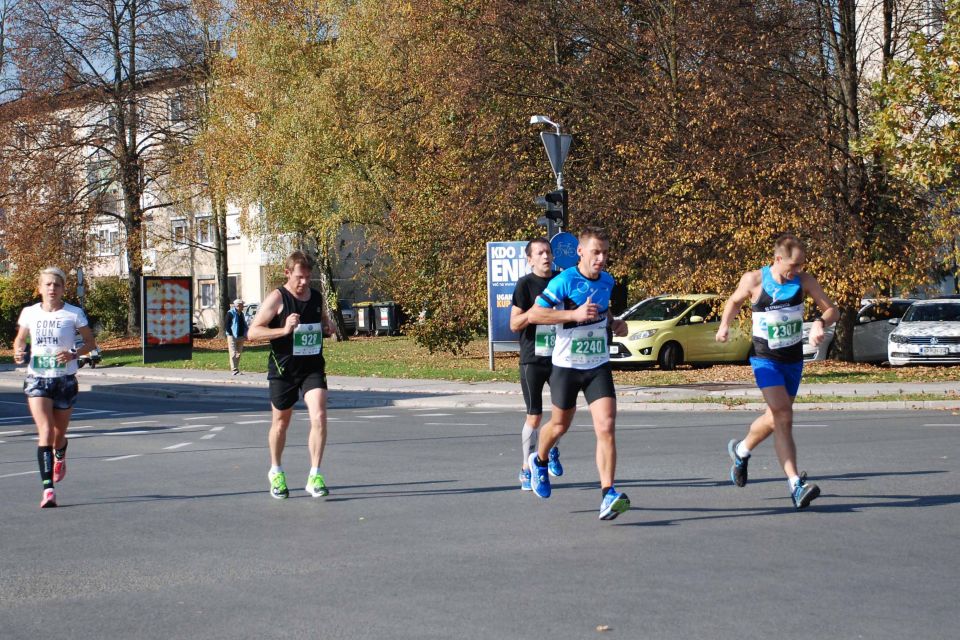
(50, 333)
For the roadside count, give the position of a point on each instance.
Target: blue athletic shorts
(770, 373)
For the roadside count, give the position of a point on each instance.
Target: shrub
(14, 296)
(106, 306)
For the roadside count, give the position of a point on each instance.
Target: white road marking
(14, 419)
(811, 425)
(11, 433)
(455, 424)
(177, 446)
(384, 415)
(82, 426)
(250, 415)
(135, 455)
(208, 436)
(432, 415)
(252, 421)
(138, 432)
(217, 429)
(476, 413)
(22, 473)
(204, 417)
(75, 435)
(189, 426)
(942, 424)
(140, 422)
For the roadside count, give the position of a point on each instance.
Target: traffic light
(555, 204)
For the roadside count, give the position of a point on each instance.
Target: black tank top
(282, 363)
(778, 319)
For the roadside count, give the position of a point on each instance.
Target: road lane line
(140, 422)
(217, 429)
(135, 455)
(456, 424)
(942, 424)
(202, 418)
(177, 446)
(208, 436)
(432, 415)
(189, 426)
(11, 433)
(252, 422)
(22, 473)
(376, 416)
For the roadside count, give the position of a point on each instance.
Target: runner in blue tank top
(577, 301)
(777, 294)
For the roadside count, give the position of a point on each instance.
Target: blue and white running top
(778, 319)
(579, 346)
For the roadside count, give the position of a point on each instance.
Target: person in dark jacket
(236, 330)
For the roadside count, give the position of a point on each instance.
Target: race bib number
(46, 362)
(784, 334)
(308, 339)
(588, 346)
(546, 339)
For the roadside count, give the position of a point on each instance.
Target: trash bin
(385, 318)
(365, 322)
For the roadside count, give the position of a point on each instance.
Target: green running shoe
(316, 486)
(278, 485)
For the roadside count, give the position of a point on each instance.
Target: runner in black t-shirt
(536, 347)
(292, 317)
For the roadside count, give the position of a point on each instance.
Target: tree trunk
(219, 210)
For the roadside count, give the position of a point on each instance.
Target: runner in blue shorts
(777, 293)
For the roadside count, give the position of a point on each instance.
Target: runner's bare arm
(744, 291)
(265, 314)
(830, 314)
(89, 341)
(20, 345)
(519, 319)
(542, 315)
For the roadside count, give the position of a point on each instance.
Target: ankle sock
(742, 450)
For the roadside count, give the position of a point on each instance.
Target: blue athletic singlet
(778, 319)
(579, 346)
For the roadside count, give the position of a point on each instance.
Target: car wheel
(671, 356)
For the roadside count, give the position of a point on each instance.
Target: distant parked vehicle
(672, 330)
(349, 315)
(928, 333)
(869, 332)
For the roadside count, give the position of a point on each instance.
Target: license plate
(933, 351)
(614, 348)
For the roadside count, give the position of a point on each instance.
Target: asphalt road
(166, 529)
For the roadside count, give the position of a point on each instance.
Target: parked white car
(929, 333)
(869, 332)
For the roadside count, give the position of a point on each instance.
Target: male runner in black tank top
(777, 294)
(292, 317)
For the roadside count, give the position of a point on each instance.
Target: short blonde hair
(56, 272)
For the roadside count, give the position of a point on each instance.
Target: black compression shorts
(284, 392)
(532, 378)
(566, 384)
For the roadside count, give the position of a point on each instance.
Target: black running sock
(605, 491)
(539, 462)
(60, 453)
(45, 460)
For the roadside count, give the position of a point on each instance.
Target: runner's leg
(316, 401)
(780, 406)
(604, 413)
(278, 433)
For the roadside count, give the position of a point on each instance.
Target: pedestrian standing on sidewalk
(294, 320)
(536, 349)
(777, 293)
(236, 330)
(578, 302)
(51, 384)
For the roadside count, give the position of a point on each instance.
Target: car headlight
(640, 335)
(898, 339)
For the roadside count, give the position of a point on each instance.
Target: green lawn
(400, 357)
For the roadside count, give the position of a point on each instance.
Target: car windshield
(933, 313)
(658, 309)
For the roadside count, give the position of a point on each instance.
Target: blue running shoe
(804, 493)
(553, 463)
(539, 478)
(614, 503)
(525, 480)
(738, 472)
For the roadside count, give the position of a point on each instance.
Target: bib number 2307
(784, 334)
(308, 339)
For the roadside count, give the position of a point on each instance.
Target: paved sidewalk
(357, 391)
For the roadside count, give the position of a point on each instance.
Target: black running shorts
(62, 390)
(532, 378)
(284, 392)
(566, 384)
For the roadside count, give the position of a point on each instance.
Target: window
(178, 231)
(98, 175)
(233, 227)
(179, 105)
(208, 294)
(233, 288)
(204, 230)
(106, 242)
